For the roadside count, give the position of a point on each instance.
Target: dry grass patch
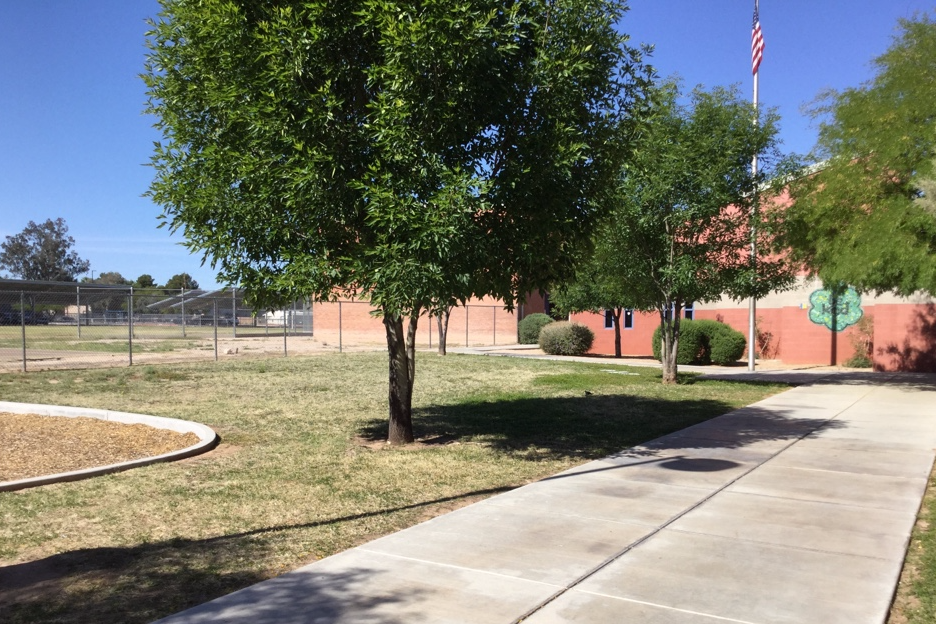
(305, 473)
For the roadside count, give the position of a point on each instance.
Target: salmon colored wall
(535, 303)
(794, 338)
(905, 337)
(634, 342)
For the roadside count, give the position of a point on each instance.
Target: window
(688, 311)
(627, 319)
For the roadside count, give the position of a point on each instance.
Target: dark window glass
(628, 321)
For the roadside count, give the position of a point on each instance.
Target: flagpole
(757, 47)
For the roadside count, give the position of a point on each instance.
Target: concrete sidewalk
(795, 509)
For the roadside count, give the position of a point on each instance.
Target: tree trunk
(670, 334)
(402, 353)
(616, 317)
(443, 320)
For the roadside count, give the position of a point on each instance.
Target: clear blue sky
(74, 142)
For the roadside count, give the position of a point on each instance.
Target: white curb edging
(207, 440)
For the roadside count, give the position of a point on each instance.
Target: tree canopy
(865, 215)
(110, 278)
(145, 281)
(413, 153)
(181, 280)
(680, 228)
(44, 252)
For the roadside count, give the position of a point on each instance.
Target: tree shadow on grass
(592, 427)
(142, 583)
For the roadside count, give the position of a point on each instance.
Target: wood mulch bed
(34, 446)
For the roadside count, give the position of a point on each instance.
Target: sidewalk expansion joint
(457, 567)
(691, 508)
(748, 540)
(669, 608)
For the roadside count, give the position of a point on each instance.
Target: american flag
(757, 43)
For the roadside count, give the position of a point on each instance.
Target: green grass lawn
(301, 473)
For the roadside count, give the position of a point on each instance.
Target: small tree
(681, 227)
(43, 252)
(597, 287)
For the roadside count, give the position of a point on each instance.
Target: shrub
(530, 327)
(726, 345)
(704, 342)
(859, 360)
(565, 338)
(693, 345)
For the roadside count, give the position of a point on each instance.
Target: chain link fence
(83, 326)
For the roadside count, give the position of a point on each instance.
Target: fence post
(339, 328)
(494, 310)
(285, 352)
(182, 292)
(23, 325)
(130, 327)
(78, 308)
(466, 326)
(430, 331)
(234, 309)
(214, 314)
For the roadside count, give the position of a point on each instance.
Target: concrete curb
(208, 439)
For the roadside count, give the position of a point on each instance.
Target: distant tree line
(45, 252)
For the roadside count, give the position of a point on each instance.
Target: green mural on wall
(835, 311)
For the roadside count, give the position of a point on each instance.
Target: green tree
(43, 252)
(145, 281)
(414, 153)
(181, 280)
(597, 287)
(113, 278)
(865, 216)
(680, 229)
(100, 300)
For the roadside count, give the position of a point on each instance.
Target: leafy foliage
(530, 326)
(43, 252)
(726, 344)
(704, 341)
(692, 345)
(866, 215)
(145, 281)
(415, 153)
(181, 280)
(109, 277)
(681, 225)
(566, 338)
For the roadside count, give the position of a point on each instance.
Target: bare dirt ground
(36, 445)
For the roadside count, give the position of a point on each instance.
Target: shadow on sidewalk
(592, 427)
